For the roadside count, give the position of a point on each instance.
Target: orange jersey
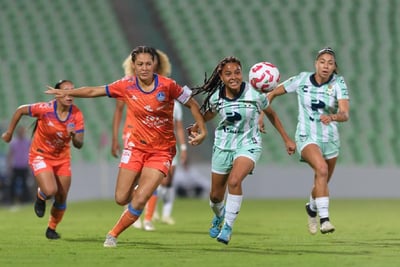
(51, 139)
(149, 120)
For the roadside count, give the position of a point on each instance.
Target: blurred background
(43, 41)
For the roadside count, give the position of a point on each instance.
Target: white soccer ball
(264, 77)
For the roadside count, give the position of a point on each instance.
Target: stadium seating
(365, 35)
(44, 41)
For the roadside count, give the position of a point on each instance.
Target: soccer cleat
(156, 216)
(52, 234)
(137, 224)
(168, 220)
(110, 242)
(148, 226)
(225, 234)
(312, 220)
(327, 227)
(216, 225)
(40, 207)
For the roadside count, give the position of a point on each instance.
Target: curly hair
(163, 64)
(213, 83)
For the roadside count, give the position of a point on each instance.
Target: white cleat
(148, 226)
(110, 242)
(327, 227)
(168, 220)
(312, 225)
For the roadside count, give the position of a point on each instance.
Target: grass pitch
(266, 233)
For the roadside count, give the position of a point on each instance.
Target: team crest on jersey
(330, 90)
(161, 96)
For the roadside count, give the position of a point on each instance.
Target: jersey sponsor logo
(304, 88)
(317, 104)
(148, 108)
(233, 116)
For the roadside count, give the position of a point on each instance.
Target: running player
(323, 102)
(237, 142)
(58, 123)
(147, 157)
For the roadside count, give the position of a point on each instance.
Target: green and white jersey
(315, 100)
(238, 126)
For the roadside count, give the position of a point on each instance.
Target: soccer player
(237, 143)
(323, 102)
(58, 123)
(166, 191)
(147, 157)
(162, 66)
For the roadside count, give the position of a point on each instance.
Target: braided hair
(213, 83)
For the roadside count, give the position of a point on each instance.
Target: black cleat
(40, 207)
(52, 234)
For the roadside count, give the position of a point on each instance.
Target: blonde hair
(163, 66)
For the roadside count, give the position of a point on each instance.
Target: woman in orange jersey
(166, 191)
(58, 123)
(148, 154)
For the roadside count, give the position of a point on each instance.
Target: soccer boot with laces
(225, 235)
(216, 225)
(110, 242)
(312, 220)
(327, 227)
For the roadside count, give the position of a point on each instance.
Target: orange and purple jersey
(51, 139)
(149, 120)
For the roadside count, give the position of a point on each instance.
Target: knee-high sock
(322, 207)
(151, 207)
(233, 203)
(168, 201)
(56, 215)
(128, 217)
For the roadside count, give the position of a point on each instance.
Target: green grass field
(266, 233)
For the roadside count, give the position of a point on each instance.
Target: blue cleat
(216, 225)
(225, 234)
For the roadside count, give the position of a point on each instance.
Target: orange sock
(150, 208)
(56, 216)
(124, 222)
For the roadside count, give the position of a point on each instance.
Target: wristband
(183, 147)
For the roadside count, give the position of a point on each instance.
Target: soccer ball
(264, 77)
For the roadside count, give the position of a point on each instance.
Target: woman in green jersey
(323, 102)
(237, 143)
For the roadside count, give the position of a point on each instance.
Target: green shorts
(328, 149)
(222, 160)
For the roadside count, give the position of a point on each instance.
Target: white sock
(313, 204)
(161, 192)
(168, 201)
(217, 208)
(233, 203)
(322, 206)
